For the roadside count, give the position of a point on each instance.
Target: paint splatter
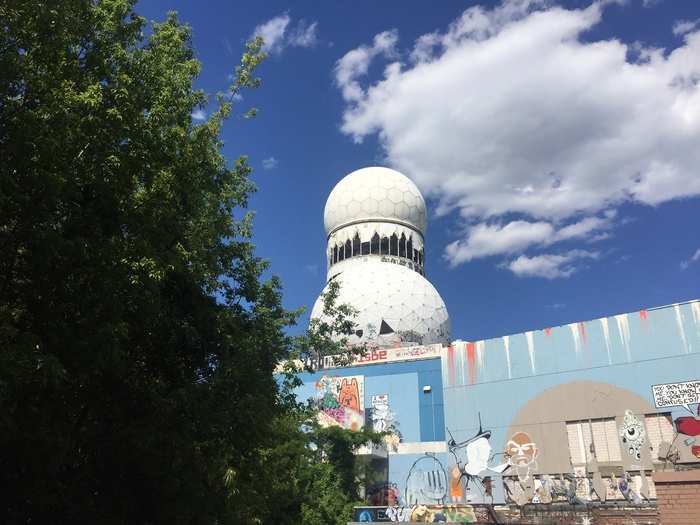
(480, 347)
(623, 326)
(506, 347)
(582, 332)
(681, 329)
(451, 365)
(577, 337)
(606, 336)
(471, 363)
(695, 309)
(531, 350)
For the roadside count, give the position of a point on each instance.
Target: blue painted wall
(420, 415)
(609, 365)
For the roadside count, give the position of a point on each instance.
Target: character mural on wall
(624, 485)
(472, 457)
(522, 452)
(384, 420)
(341, 401)
(426, 481)
(349, 395)
(689, 426)
(382, 417)
(633, 434)
(681, 394)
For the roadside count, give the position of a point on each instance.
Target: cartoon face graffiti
(521, 452)
(426, 481)
(633, 434)
(349, 395)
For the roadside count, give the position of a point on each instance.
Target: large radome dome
(375, 194)
(396, 306)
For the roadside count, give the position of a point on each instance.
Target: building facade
(558, 425)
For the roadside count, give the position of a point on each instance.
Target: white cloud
(270, 163)
(304, 35)
(681, 27)
(493, 239)
(355, 64)
(549, 266)
(199, 114)
(694, 258)
(277, 34)
(483, 240)
(508, 116)
(272, 33)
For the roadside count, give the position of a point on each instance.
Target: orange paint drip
(643, 315)
(582, 332)
(471, 360)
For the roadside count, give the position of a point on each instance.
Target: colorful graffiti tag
(341, 401)
(422, 514)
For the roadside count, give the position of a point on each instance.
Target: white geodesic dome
(396, 305)
(375, 194)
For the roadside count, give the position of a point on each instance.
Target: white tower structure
(375, 221)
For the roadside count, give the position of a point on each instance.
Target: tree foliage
(138, 338)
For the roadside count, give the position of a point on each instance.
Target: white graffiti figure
(478, 452)
(633, 434)
(382, 418)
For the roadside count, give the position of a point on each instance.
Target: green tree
(137, 336)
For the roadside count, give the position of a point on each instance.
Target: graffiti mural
(521, 452)
(683, 394)
(426, 481)
(422, 514)
(341, 401)
(384, 420)
(472, 458)
(633, 435)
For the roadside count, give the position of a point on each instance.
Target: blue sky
(556, 143)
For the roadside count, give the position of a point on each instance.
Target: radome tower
(375, 221)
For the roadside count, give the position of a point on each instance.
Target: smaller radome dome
(375, 194)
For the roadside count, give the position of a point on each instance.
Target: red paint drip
(582, 332)
(471, 360)
(547, 332)
(451, 364)
(643, 315)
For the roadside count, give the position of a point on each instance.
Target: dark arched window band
(393, 246)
